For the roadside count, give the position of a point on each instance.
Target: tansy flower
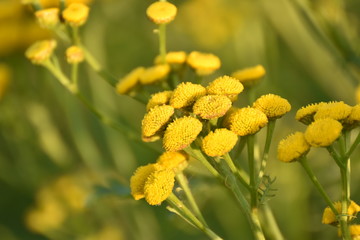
(323, 132)
(48, 18)
(74, 55)
(76, 14)
(176, 161)
(225, 85)
(292, 147)
(161, 12)
(203, 63)
(247, 121)
(172, 58)
(219, 142)
(272, 105)
(249, 76)
(185, 94)
(159, 98)
(306, 114)
(226, 121)
(138, 179)
(330, 218)
(156, 119)
(353, 120)
(181, 133)
(212, 106)
(40, 51)
(154, 74)
(335, 110)
(158, 186)
(5, 77)
(127, 83)
(355, 231)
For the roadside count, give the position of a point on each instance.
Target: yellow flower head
(272, 105)
(355, 231)
(249, 76)
(330, 218)
(138, 179)
(161, 12)
(127, 83)
(225, 85)
(353, 120)
(292, 147)
(156, 119)
(212, 106)
(181, 133)
(48, 18)
(159, 98)
(306, 114)
(247, 121)
(172, 58)
(158, 186)
(203, 63)
(323, 132)
(154, 74)
(176, 161)
(74, 55)
(219, 142)
(76, 14)
(5, 78)
(40, 51)
(335, 110)
(185, 94)
(226, 121)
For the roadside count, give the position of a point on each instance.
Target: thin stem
(61, 77)
(241, 174)
(75, 36)
(252, 170)
(335, 156)
(270, 225)
(74, 73)
(269, 134)
(238, 150)
(353, 146)
(162, 42)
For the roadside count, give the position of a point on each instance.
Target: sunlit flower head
(306, 114)
(154, 74)
(48, 18)
(159, 98)
(353, 120)
(138, 179)
(212, 106)
(40, 51)
(225, 85)
(176, 161)
(249, 76)
(156, 119)
(335, 110)
(355, 231)
(323, 132)
(219, 142)
(185, 94)
(76, 14)
(247, 121)
(158, 186)
(161, 12)
(272, 105)
(330, 218)
(172, 58)
(181, 133)
(203, 63)
(292, 147)
(74, 55)
(127, 83)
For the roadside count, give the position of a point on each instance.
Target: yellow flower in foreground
(272, 105)
(74, 55)
(292, 147)
(219, 142)
(155, 74)
(156, 119)
(159, 98)
(249, 76)
(330, 218)
(212, 106)
(48, 18)
(185, 94)
(176, 161)
(227, 86)
(353, 120)
(127, 83)
(161, 12)
(247, 121)
(203, 63)
(138, 179)
(306, 114)
(5, 77)
(76, 14)
(40, 51)
(323, 132)
(335, 110)
(158, 186)
(172, 58)
(181, 133)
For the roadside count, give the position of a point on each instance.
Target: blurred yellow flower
(335, 110)
(127, 83)
(355, 231)
(159, 98)
(247, 121)
(292, 147)
(219, 142)
(174, 59)
(353, 120)
(48, 18)
(158, 186)
(5, 77)
(323, 132)
(109, 232)
(156, 119)
(330, 218)
(272, 105)
(212, 106)
(185, 94)
(176, 161)
(74, 55)
(249, 76)
(225, 85)
(306, 114)
(40, 51)
(203, 63)
(138, 179)
(161, 12)
(76, 14)
(154, 74)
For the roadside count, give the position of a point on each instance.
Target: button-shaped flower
(161, 12)
(127, 83)
(76, 14)
(219, 142)
(212, 106)
(249, 76)
(159, 98)
(155, 74)
(330, 218)
(40, 51)
(292, 147)
(74, 55)
(225, 85)
(176, 161)
(306, 114)
(203, 63)
(48, 18)
(323, 132)
(335, 110)
(185, 94)
(156, 119)
(272, 105)
(158, 186)
(138, 179)
(247, 121)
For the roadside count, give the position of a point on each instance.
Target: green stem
(75, 36)
(335, 156)
(162, 42)
(61, 77)
(353, 146)
(269, 134)
(270, 225)
(241, 174)
(74, 73)
(252, 170)
(238, 150)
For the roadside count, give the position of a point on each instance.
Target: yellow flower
(40, 51)
(330, 218)
(74, 55)
(323, 132)
(353, 120)
(172, 58)
(76, 14)
(219, 142)
(355, 231)
(185, 94)
(5, 77)
(306, 114)
(335, 110)
(127, 83)
(247, 121)
(161, 12)
(272, 105)
(212, 106)
(158, 186)
(156, 119)
(203, 63)
(181, 133)
(225, 85)
(159, 98)
(226, 121)
(249, 76)
(292, 147)
(138, 179)
(48, 18)
(154, 74)
(176, 161)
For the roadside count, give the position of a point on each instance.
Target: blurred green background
(62, 171)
